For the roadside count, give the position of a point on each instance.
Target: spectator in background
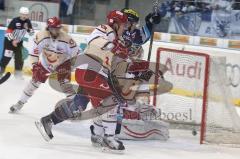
(13, 41)
(66, 7)
(221, 18)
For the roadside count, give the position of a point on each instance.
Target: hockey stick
(5, 77)
(155, 11)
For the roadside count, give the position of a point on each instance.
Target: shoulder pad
(105, 28)
(41, 36)
(64, 37)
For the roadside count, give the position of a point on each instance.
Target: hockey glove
(39, 73)
(120, 49)
(156, 18)
(152, 19)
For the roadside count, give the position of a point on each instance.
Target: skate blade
(42, 131)
(13, 111)
(108, 150)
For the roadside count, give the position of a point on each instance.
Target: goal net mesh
(200, 98)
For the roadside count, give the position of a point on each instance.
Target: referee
(13, 41)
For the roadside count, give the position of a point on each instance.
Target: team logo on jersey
(51, 56)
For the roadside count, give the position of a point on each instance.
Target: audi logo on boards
(233, 74)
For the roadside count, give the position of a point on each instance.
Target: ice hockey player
(13, 41)
(52, 53)
(92, 76)
(135, 37)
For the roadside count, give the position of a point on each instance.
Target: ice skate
(44, 126)
(112, 144)
(16, 107)
(97, 140)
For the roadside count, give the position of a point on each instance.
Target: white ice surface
(19, 138)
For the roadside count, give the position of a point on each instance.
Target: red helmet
(116, 16)
(54, 22)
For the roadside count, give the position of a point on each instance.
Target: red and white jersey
(53, 52)
(98, 39)
(104, 31)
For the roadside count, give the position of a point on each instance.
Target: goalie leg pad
(144, 130)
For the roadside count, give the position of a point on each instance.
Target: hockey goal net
(200, 99)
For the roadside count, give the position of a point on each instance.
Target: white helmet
(24, 10)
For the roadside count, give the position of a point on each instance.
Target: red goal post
(192, 73)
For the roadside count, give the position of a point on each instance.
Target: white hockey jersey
(53, 52)
(104, 31)
(100, 46)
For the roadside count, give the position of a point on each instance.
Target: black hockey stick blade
(5, 77)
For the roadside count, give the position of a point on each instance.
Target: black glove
(146, 75)
(151, 19)
(156, 18)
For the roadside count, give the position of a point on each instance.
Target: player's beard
(54, 33)
(54, 36)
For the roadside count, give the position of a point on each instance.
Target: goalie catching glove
(140, 69)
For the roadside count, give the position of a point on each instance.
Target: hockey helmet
(116, 16)
(54, 22)
(132, 15)
(24, 10)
